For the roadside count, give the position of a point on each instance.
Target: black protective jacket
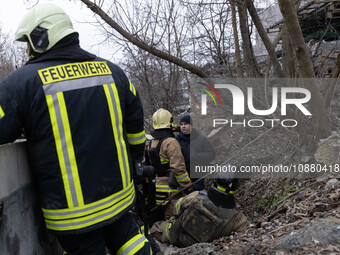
(83, 121)
(202, 151)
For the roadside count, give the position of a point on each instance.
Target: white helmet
(161, 119)
(43, 26)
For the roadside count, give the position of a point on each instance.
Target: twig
(296, 192)
(289, 224)
(280, 209)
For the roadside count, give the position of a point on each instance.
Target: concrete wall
(22, 228)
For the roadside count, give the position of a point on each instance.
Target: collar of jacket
(185, 137)
(161, 133)
(66, 48)
(193, 134)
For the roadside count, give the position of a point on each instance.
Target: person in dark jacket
(83, 120)
(201, 150)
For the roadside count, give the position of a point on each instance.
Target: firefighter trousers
(121, 237)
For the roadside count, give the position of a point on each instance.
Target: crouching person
(203, 216)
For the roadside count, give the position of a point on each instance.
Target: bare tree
(320, 116)
(248, 55)
(160, 83)
(236, 41)
(143, 44)
(11, 56)
(270, 49)
(330, 89)
(210, 24)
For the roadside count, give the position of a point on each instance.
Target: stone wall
(22, 228)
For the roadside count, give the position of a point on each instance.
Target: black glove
(172, 182)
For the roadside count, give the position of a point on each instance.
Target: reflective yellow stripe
(136, 138)
(224, 190)
(221, 188)
(1, 112)
(164, 188)
(161, 202)
(133, 245)
(117, 126)
(58, 144)
(68, 213)
(178, 206)
(121, 137)
(142, 230)
(168, 226)
(164, 161)
(70, 149)
(115, 208)
(182, 177)
(132, 88)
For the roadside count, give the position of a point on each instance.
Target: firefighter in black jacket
(83, 121)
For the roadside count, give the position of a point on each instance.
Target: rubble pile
(307, 222)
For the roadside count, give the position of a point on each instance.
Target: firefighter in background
(167, 159)
(83, 121)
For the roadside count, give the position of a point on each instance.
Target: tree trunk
(320, 116)
(267, 43)
(248, 56)
(141, 44)
(236, 40)
(329, 91)
(288, 56)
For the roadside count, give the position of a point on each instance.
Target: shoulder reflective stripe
(58, 214)
(72, 71)
(117, 126)
(182, 177)
(132, 88)
(1, 112)
(63, 86)
(99, 216)
(133, 245)
(231, 192)
(59, 138)
(136, 138)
